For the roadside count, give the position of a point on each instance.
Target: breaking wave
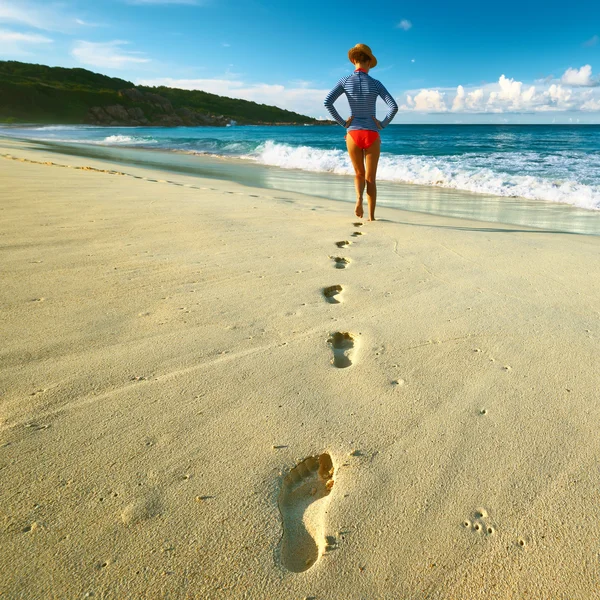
(498, 174)
(127, 140)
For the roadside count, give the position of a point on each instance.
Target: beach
(173, 346)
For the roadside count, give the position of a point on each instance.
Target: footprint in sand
(331, 293)
(303, 512)
(357, 233)
(343, 244)
(340, 262)
(342, 344)
(358, 224)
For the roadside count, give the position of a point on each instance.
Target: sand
(188, 365)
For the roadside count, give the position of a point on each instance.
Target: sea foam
(127, 140)
(475, 173)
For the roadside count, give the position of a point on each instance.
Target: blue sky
(444, 62)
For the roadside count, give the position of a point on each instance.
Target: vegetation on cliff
(39, 94)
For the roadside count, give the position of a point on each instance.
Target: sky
(444, 62)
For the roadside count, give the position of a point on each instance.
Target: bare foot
(358, 211)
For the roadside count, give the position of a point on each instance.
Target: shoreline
(170, 355)
(448, 202)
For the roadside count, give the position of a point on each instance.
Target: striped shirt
(362, 91)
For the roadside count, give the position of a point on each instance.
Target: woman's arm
(333, 95)
(387, 98)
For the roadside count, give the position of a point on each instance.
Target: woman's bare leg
(357, 156)
(372, 160)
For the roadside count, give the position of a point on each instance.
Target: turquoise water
(534, 175)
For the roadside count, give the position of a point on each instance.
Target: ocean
(544, 176)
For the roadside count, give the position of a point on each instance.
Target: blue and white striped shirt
(362, 91)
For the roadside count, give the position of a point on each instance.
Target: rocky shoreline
(148, 109)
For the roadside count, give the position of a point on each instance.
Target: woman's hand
(348, 122)
(377, 123)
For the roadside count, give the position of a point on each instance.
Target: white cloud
(505, 96)
(510, 95)
(429, 101)
(592, 41)
(109, 55)
(86, 23)
(33, 38)
(458, 103)
(581, 76)
(558, 94)
(592, 104)
(21, 14)
(15, 43)
(47, 16)
(474, 100)
(404, 24)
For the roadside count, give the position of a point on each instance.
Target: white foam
(469, 173)
(118, 139)
(127, 139)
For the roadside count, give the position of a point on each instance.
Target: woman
(363, 141)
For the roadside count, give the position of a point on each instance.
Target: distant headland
(32, 93)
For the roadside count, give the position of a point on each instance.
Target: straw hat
(363, 48)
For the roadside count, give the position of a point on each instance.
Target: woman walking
(362, 140)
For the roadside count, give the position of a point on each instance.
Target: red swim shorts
(363, 138)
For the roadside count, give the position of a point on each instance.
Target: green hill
(39, 94)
